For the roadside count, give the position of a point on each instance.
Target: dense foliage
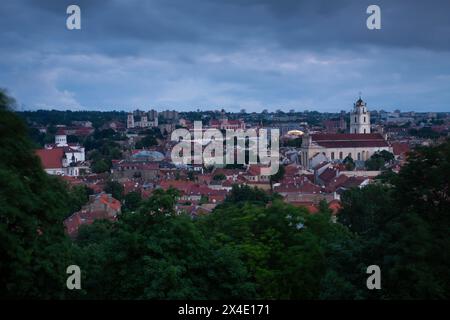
(34, 251)
(379, 160)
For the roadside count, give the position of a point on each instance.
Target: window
(332, 156)
(364, 130)
(355, 119)
(364, 119)
(359, 155)
(340, 155)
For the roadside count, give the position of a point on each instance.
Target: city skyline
(208, 55)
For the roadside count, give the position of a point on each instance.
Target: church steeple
(360, 118)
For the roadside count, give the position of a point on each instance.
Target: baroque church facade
(359, 144)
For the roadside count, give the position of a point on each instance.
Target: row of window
(364, 120)
(360, 156)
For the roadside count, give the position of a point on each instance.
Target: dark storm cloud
(315, 53)
(291, 23)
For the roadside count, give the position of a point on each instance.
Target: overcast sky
(232, 54)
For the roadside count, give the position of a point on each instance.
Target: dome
(295, 133)
(148, 154)
(360, 103)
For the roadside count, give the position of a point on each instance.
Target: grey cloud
(315, 53)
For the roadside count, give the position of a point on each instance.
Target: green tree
(277, 177)
(191, 176)
(349, 163)
(219, 177)
(34, 252)
(243, 193)
(386, 155)
(203, 199)
(132, 201)
(100, 166)
(280, 246)
(155, 254)
(146, 142)
(115, 189)
(378, 160)
(79, 196)
(374, 164)
(403, 227)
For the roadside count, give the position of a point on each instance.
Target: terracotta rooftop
(109, 201)
(335, 183)
(303, 187)
(400, 148)
(328, 175)
(51, 158)
(347, 140)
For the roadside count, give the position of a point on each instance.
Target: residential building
(100, 206)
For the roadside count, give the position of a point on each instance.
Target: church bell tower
(360, 118)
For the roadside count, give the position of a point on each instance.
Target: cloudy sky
(232, 54)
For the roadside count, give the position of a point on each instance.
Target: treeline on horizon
(98, 118)
(253, 246)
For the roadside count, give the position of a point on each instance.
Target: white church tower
(360, 118)
(61, 140)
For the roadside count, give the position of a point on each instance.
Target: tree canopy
(34, 251)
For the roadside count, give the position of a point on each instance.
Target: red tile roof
(335, 206)
(354, 182)
(73, 181)
(234, 122)
(227, 172)
(291, 170)
(298, 185)
(312, 208)
(110, 201)
(400, 148)
(51, 158)
(123, 164)
(61, 131)
(204, 190)
(79, 218)
(347, 140)
(177, 184)
(254, 170)
(83, 131)
(328, 175)
(336, 183)
(346, 136)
